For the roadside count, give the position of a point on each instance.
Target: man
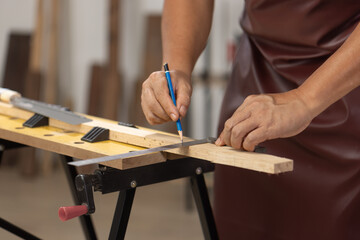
(294, 89)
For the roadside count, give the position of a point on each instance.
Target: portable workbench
(125, 175)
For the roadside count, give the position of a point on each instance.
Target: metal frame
(85, 220)
(16, 230)
(125, 201)
(125, 182)
(5, 145)
(109, 180)
(71, 173)
(122, 214)
(202, 201)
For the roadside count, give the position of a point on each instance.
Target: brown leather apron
(284, 42)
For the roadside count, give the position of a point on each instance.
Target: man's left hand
(265, 117)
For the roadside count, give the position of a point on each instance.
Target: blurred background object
(92, 56)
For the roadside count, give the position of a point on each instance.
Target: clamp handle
(7, 95)
(84, 184)
(67, 213)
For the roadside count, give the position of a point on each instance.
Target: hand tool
(171, 90)
(141, 152)
(47, 110)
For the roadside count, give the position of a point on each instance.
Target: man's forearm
(335, 78)
(185, 28)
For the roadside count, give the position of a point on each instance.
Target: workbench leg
(122, 214)
(201, 197)
(85, 220)
(16, 230)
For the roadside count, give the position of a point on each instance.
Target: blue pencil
(171, 90)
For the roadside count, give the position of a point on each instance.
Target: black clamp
(37, 120)
(84, 185)
(127, 124)
(96, 134)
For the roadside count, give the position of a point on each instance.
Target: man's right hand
(184, 31)
(156, 102)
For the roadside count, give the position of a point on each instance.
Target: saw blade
(140, 152)
(49, 110)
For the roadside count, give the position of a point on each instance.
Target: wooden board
(16, 68)
(69, 143)
(150, 138)
(17, 61)
(105, 79)
(111, 79)
(50, 87)
(34, 76)
(96, 90)
(49, 91)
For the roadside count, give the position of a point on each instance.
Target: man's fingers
(156, 101)
(219, 141)
(264, 117)
(163, 97)
(254, 138)
(236, 131)
(152, 109)
(183, 97)
(158, 112)
(167, 105)
(247, 142)
(239, 132)
(236, 120)
(153, 119)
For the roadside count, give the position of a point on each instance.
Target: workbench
(125, 175)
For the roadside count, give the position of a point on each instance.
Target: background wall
(15, 15)
(83, 42)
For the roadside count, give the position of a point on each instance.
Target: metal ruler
(140, 152)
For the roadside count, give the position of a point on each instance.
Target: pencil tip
(181, 136)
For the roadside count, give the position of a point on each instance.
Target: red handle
(66, 213)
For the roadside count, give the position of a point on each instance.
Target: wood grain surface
(148, 138)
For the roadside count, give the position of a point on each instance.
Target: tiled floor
(158, 211)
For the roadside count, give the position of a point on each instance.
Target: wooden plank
(69, 143)
(111, 81)
(34, 77)
(105, 80)
(150, 138)
(51, 76)
(49, 92)
(17, 61)
(96, 89)
(16, 67)
(33, 82)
